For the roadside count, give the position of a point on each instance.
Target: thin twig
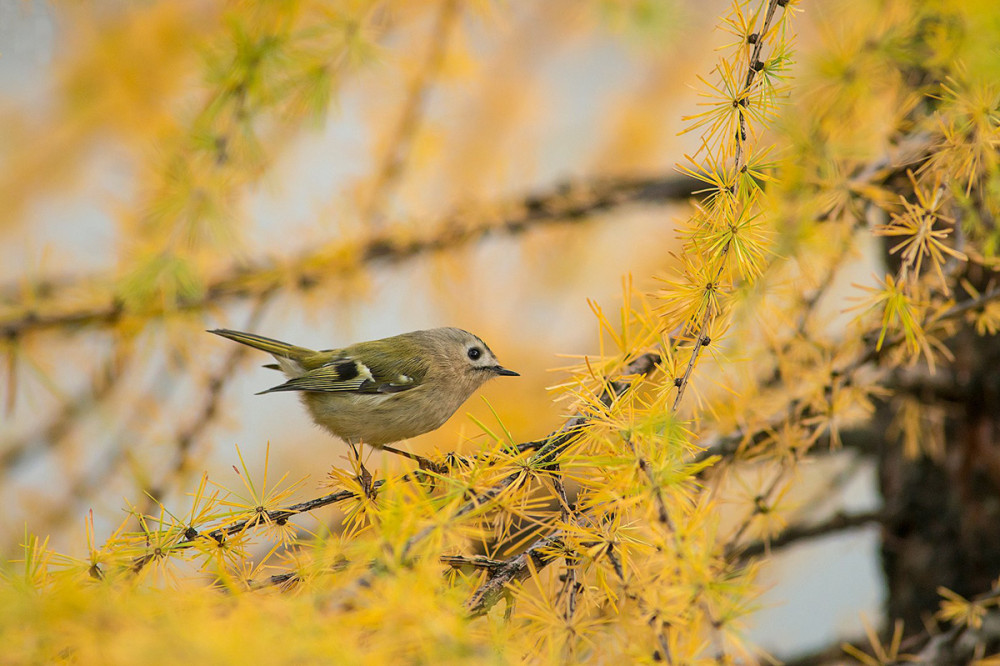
(708, 316)
(571, 587)
(760, 506)
(662, 515)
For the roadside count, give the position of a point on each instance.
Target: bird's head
(467, 355)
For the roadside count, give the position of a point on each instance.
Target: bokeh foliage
(636, 529)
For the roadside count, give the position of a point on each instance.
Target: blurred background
(501, 167)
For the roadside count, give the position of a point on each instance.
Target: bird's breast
(378, 419)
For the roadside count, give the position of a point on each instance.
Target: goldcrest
(383, 391)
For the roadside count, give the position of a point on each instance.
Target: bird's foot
(365, 479)
(423, 463)
(429, 465)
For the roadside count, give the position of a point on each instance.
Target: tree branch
(555, 443)
(192, 536)
(839, 522)
(570, 202)
(517, 568)
(728, 445)
(477, 561)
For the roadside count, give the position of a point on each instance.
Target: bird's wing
(347, 374)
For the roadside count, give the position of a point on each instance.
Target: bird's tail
(274, 347)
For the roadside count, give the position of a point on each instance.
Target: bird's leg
(424, 463)
(364, 477)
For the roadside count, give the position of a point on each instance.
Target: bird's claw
(429, 465)
(365, 479)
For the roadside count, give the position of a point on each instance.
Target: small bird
(382, 391)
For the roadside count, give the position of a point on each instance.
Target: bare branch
(839, 522)
(477, 561)
(539, 554)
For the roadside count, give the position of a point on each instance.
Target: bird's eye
(475, 353)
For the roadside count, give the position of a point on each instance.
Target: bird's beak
(500, 370)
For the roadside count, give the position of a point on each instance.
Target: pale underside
(379, 419)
